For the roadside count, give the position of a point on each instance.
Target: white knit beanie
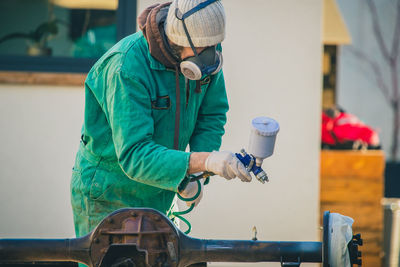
(206, 27)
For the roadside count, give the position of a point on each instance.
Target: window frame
(125, 26)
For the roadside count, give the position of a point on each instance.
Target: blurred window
(329, 76)
(61, 35)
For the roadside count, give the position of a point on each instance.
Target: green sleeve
(128, 110)
(211, 119)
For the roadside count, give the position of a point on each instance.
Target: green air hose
(178, 214)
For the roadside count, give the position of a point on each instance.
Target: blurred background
(327, 71)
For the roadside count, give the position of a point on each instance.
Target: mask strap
(187, 34)
(182, 17)
(195, 9)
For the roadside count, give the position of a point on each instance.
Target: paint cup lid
(265, 126)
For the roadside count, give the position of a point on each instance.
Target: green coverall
(125, 158)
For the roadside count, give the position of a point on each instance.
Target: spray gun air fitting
(261, 146)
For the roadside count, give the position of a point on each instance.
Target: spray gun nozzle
(262, 177)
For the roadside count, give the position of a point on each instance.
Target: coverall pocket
(160, 108)
(161, 103)
(102, 182)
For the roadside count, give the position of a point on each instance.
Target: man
(149, 97)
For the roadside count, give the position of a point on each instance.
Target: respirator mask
(207, 62)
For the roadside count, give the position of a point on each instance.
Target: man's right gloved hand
(227, 165)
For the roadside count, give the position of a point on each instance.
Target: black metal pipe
(43, 250)
(191, 250)
(198, 250)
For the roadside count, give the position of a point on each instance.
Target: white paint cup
(262, 137)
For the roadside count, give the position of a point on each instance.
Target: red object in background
(345, 131)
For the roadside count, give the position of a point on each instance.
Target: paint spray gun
(261, 146)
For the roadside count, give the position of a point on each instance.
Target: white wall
(272, 66)
(39, 135)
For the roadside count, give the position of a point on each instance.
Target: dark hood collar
(151, 23)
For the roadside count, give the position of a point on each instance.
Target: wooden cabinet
(352, 184)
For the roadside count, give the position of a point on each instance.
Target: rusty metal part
(154, 236)
(144, 237)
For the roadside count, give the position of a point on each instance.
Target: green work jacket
(126, 156)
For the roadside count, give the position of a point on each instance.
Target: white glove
(190, 191)
(227, 165)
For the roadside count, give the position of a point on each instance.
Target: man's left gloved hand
(190, 191)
